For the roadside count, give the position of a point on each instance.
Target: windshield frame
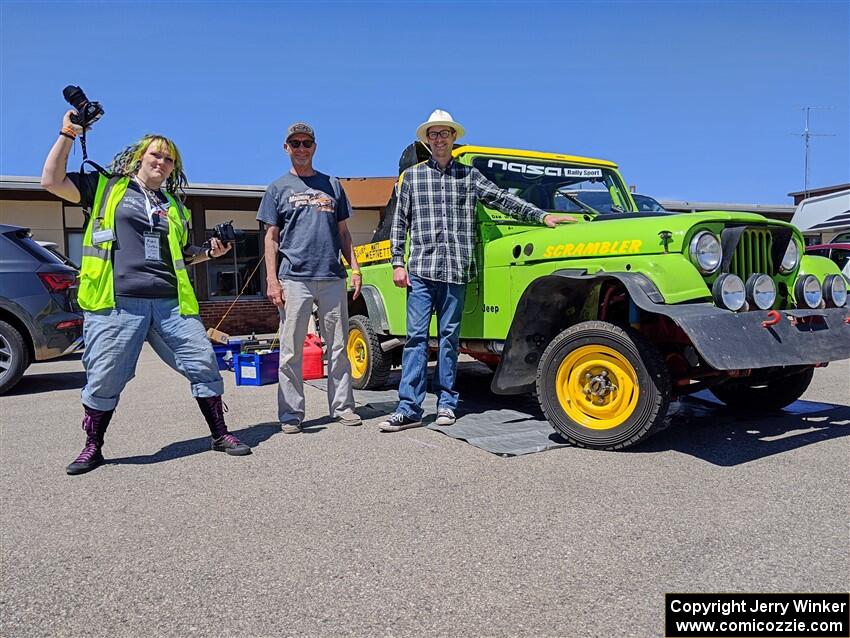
(532, 169)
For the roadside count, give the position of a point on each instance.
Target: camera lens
(75, 97)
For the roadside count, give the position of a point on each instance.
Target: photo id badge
(102, 236)
(152, 246)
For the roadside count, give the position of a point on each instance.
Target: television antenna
(807, 135)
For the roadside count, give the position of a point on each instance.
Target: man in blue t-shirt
(304, 212)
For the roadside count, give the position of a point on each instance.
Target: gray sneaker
(349, 418)
(445, 416)
(290, 428)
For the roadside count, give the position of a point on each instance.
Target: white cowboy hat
(438, 118)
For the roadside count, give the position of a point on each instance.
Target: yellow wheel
(370, 365)
(597, 387)
(602, 386)
(358, 353)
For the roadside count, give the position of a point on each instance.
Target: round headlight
(761, 291)
(706, 252)
(729, 292)
(807, 292)
(835, 290)
(791, 259)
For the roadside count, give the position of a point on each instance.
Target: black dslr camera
(225, 232)
(87, 112)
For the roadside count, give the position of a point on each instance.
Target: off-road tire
(14, 357)
(653, 385)
(377, 362)
(768, 396)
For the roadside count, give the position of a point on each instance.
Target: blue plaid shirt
(438, 208)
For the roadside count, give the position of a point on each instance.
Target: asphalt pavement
(344, 531)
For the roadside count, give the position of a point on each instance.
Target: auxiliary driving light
(729, 292)
(761, 291)
(807, 292)
(835, 290)
(706, 252)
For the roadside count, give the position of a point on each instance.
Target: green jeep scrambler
(610, 319)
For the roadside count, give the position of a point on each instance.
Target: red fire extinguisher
(314, 365)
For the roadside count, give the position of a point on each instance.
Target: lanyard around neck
(152, 204)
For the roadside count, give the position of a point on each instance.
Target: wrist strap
(356, 272)
(69, 133)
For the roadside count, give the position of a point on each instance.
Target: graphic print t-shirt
(307, 210)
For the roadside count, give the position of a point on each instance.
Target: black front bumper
(740, 340)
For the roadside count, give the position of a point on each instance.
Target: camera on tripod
(87, 112)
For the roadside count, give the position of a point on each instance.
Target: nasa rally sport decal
(542, 169)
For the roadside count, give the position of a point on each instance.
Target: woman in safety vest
(134, 286)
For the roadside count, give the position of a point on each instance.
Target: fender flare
(546, 308)
(375, 307)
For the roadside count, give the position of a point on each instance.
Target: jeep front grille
(753, 254)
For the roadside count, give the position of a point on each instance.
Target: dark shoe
(95, 423)
(445, 416)
(349, 418)
(230, 445)
(89, 459)
(397, 422)
(290, 428)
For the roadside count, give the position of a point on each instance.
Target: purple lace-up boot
(223, 441)
(95, 423)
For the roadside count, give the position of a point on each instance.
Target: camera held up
(225, 232)
(87, 112)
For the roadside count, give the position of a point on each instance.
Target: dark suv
(38, 315)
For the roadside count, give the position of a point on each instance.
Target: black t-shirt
(133, 275)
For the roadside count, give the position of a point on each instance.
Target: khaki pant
(330, 296)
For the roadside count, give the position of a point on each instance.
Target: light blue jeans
(114, 340)
(423, 298)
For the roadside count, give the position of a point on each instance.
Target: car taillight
(57, 281)
(73, 323)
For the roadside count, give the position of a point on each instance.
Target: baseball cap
(300, 127)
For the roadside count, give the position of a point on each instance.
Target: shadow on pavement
(39, 383)
(712, 432)
(252, 436)
(699, 425)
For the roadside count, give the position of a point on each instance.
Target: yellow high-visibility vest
(97, 289)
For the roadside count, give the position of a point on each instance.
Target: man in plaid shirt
(436, 204)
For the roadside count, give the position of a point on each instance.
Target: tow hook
(773, 318)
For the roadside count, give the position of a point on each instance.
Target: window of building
(74, 244)
(228, 275)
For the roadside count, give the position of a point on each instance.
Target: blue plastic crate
(256, 369)
(233, 346)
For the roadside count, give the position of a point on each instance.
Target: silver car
(38, 315)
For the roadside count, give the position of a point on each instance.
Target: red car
(839, 253)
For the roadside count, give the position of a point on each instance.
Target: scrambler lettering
(624, 247)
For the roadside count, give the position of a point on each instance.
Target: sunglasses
(300, 143)
(433, 135)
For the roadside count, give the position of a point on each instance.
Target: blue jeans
(114, 340)
(423, 298)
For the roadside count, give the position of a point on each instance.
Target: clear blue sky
(694, 100)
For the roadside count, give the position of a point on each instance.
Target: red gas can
(313, 365)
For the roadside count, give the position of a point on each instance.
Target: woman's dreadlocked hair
(127, 163)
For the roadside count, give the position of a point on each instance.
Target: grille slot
(753, 254)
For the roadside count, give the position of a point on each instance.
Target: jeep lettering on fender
(610, 319)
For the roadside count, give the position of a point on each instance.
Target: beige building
(23, 202)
